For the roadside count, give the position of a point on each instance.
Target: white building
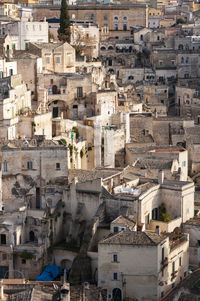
(15, 100)
(7, 68)
(23, 32)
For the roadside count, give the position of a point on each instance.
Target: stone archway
(116, 294)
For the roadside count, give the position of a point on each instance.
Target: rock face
(81, 270)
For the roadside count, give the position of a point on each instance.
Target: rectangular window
(23, 261)
(79, 92)
(4, 256)
(29, 165)
(115, 258)
(115, 276)
(47, 60)
(180, 261)
(173, 266)
(116, 229)
(26, 46)
(163, 253)
(57, 166)
(3, 239)
(57, 59)
(5, 166)
(52, 190)
(183, 163)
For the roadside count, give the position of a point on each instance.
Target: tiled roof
(134, 238)
(153, 163)
(88, 175)
(123, 220)
(193, 221)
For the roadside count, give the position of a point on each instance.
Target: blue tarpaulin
(49, 273)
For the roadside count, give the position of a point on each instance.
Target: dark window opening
(116, 229)
(57, 166)
(29, 165)
(31, 236)
(23, 261)
(115, 259)
(3, 239)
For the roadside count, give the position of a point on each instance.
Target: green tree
(64, 29)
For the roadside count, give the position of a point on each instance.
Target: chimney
(161, 176)
(157, 230)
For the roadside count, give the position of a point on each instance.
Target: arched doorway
(116, 294)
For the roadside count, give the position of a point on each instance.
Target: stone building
(151, 159)
(29, 66)
(118, 18)
(69, 95)
(24, 239)
(188, 101)
(164, 63)
(142, 265)
(157, 98)
(27, 177)
(85, 36)
(56, 57)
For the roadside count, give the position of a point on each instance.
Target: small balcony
(173, 275)
(164, 263)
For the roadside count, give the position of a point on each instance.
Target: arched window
(110, 48)
(116, 18)
(187, 60)
(125, 18)
(103, 48)
(131, 77)
(180, 47)
(182, 60)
